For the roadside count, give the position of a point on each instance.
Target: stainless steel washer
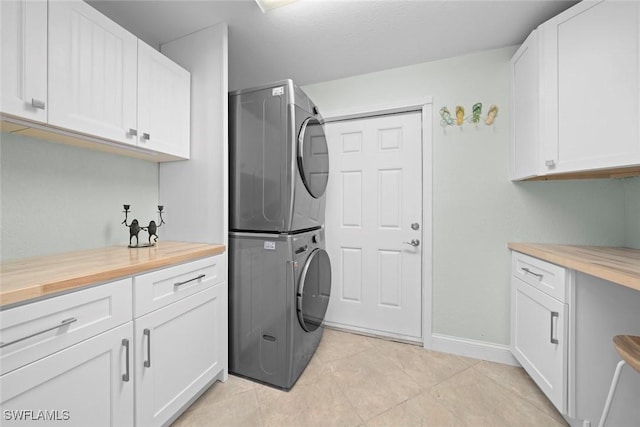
(278, 295)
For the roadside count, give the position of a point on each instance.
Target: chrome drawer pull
(125, 376)
(190, 280)
(36, 103)
(147, 333)
(63, 323)
(556, 315)
(526, 270)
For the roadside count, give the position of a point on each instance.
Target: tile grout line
(519, 396)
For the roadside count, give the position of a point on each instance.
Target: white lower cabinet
(87, 384)
(539, 339)
(178, 352)
(79, 359)
(562, 328)
(540, 292)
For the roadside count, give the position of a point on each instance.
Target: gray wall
(58, 198)
(476, 209)
(632, 212)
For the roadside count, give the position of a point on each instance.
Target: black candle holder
(134, 228)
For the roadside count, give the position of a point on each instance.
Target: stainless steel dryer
(280, 288)
(278, 160)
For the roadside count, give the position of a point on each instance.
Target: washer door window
(313, 157)
(314, 290)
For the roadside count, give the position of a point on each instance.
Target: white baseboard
(372, 332)
(491, 352)
(471, 348)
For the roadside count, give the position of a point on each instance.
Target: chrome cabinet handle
(146, 136)
(125, 376)
(63, 323)
(147, 333)
(133, 132)
(557, 316)
(36, 103)
(190, 280)
(526, 270)
(413, 242)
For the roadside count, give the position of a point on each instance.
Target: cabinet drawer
(159, 288)
(548, 278)
(33, 331)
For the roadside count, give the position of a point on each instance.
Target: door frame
(425, 107)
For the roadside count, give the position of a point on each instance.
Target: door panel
(164, 103)
(373, 197)
(92, 73)
(539, 339)
(177, 353)
(82, 385)
(24, 58)
(591, 83)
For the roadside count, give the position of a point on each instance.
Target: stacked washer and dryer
(279, 271)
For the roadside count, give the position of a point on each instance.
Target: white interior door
(374, 224)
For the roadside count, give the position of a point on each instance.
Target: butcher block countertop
(29, 278)
(618, 265)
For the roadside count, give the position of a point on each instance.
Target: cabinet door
(179, 350)
(24, 58)
(163, 103)
(83, 385)
(524, 110)
(591, 78)
(539, 326)
(92, 73)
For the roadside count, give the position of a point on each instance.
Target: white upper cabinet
(23, 36)
(525, 89)
(92, 73)
(163, 103)
(70, 74)
(592, 81)
(576, 103)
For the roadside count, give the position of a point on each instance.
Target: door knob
(413, 242)
(415, 226)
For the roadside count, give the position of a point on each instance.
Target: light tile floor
(355, 380)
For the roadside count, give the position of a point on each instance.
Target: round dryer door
(313, 157)
(314, 290)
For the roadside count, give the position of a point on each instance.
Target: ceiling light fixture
(267, 5)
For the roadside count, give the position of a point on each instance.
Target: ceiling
(312, 41)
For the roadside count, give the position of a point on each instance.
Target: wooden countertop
(29, 278)
(618, 265)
